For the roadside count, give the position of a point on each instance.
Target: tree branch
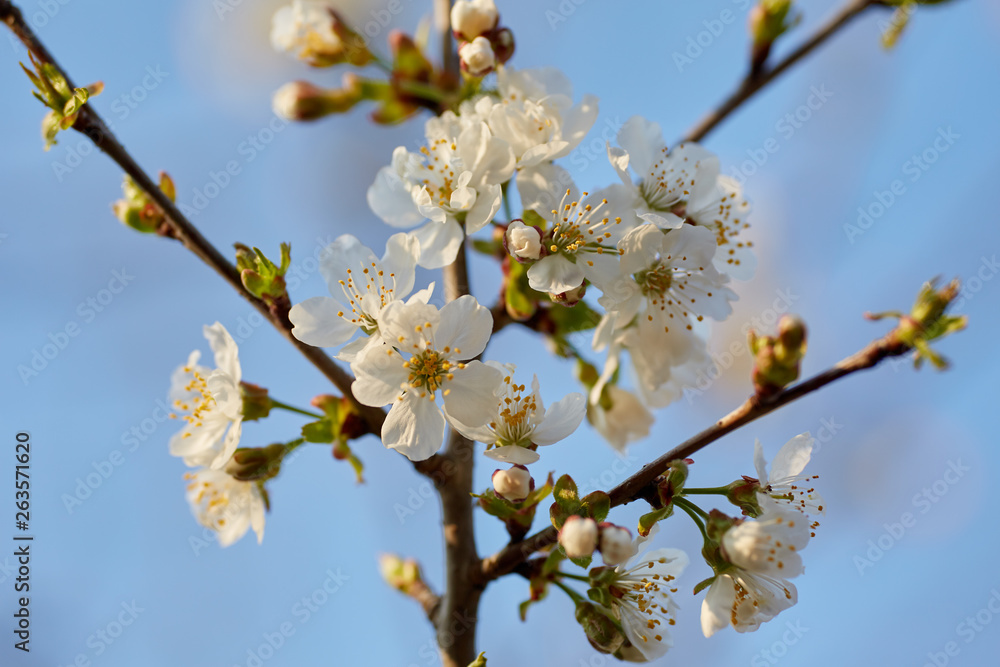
(753, 82)
(753, 408)
(94, 127)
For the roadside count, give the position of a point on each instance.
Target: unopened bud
(503, 44)
(400, 574)
(472, 18)
(256, 402)
(570, 298)
(602, 631)
(302, 101)
(513, 484)
(477, 57)
(250, 464)
(523, 242)
(615, 544)
(777, 359)
(578, 536)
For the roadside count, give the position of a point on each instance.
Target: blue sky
(188, 90)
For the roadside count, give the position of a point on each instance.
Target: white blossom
(523, 240)
(453, 181)
(472, 18)
(477, 56)
(210, 403)
(578, 536)
(426, 354)
(618, 415)
(226, 505)
(684, 185)
(305, 30)
(513, 484)
(615, 544)
(786, 484)
(642, 599)
(361, 285)
(763, 554)
(519, 421)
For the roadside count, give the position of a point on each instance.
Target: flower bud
(615, 544)
(256, 402)
(513, 484)
(777, 359)
(503, 44)
(570, 298)
(400, 574)
(477, 57)
(301, 101)
(523, 242)
(578, 536)
(472, 18)
(602, 631)
(250, 464)
(137, 210)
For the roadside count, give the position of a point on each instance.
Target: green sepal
(702, 585)
(648, 520)
(596, 505)
(480, 661)
(321, 431)
(601, 596)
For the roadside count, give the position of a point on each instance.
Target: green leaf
(319, 431)
(646, 521)
(597, 505)
(582, 562)
(521, 301)
(702, 585)
(580, 317)
(551, 564)
(495, 506)
(539, 494)
(565, 494)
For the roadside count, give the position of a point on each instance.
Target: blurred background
(188, 86)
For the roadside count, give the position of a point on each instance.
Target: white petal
(486, 206)
(555, 274)
(379, 377)
(759, 462)
(439, 243)
(465, 325)
(226, 352)
(316, 322)
(390, 199)
(561, 419)
(717, 605)
(472, 396)
(542, 187)
(400, 260)
(513, 454)
(618, 157)
(643, 140)
(792, 457)
(414, 427)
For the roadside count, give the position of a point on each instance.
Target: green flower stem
(292, 408)
(576, 597)
(293, 445)
(506, 201)
(696, 514)
(570, 575)
(422, 90)
(712, 490)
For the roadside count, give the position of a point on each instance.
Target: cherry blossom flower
(763, 554)
(578, 536)
(472, 18)
(684, 185)
(580, 242)
(642, 599)
(426, 355)
(361, 285)
(477, 57)
(210, 403)
(523, 240)
(226, 505)
(314, 33)
(786, 484)
(453, 181)
(519, 421)
(513, 484)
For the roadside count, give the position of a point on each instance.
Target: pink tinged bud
(523, 241)
(578, 537)
(615, 544)
(472, 18)
(513, 484)
(572, 297)
(477, 57)
(503, 44)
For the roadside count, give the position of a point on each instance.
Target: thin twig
(94, 127)
(753, 408)
(757, 80)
